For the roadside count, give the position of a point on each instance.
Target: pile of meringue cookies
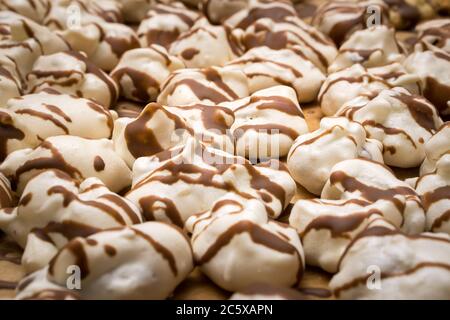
(90, 181)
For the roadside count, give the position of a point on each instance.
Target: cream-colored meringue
(433, 68)
(327, 227)
(383, 263)
(402, 122)
(313, 155)
(291, 33)
(340, 19)
(79, 157)
(10, 82)
(36, 286)
(210, 124)
(163, 23)
(434, 189)
(155, 129)
(436, 147)
(34, 10)
(205, 45)
(104, 43)
(144, 261)
(54, 209)
(433, 35)
(237, 228)
(21, 28)
(72, 73)
(140, 72)
(372, 47)
(265, 67)
(208, 86)
(277, 11)
(357, 81)
(25, 40)
(267, 122)
(373, 181)
(186, 180)
(29, 119)
(71, 14)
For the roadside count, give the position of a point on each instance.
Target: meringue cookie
(36, 286)
(140, 72)
(34, 10)
(277, 11)
(313, 155)
(207, 86)
(29, 119)
(217, 11)
(22, 28)
(383, 263)
(177, 183)
(373, 181)
(54, 209)
(236, 228)
(339, 19)
(433, 34)
(291, 33)
(10, 82)
(72, 73)
(104, 43)
(356, 81)
(327, 227)
(154, 130)
(67, 14)
(152, 258)
(433, 67)
(269, 181)
(164, 23)
(22, 55)
(267, 123)
(434, 189)
(7, 199)
(78, 157)
(435, 148)
(186, 180)
(265, 67)
(402, 122)
(210, 124)
(372, 47)
(205, 45)
(26, 41)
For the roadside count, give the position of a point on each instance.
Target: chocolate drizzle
(258, 235)
(8, 132)
(351, 184)
(67, 228)
(149, 205)
(55, 161)
(99, 164)
(142, 82)
(163, 251)
(339, 225)
(141, 140)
